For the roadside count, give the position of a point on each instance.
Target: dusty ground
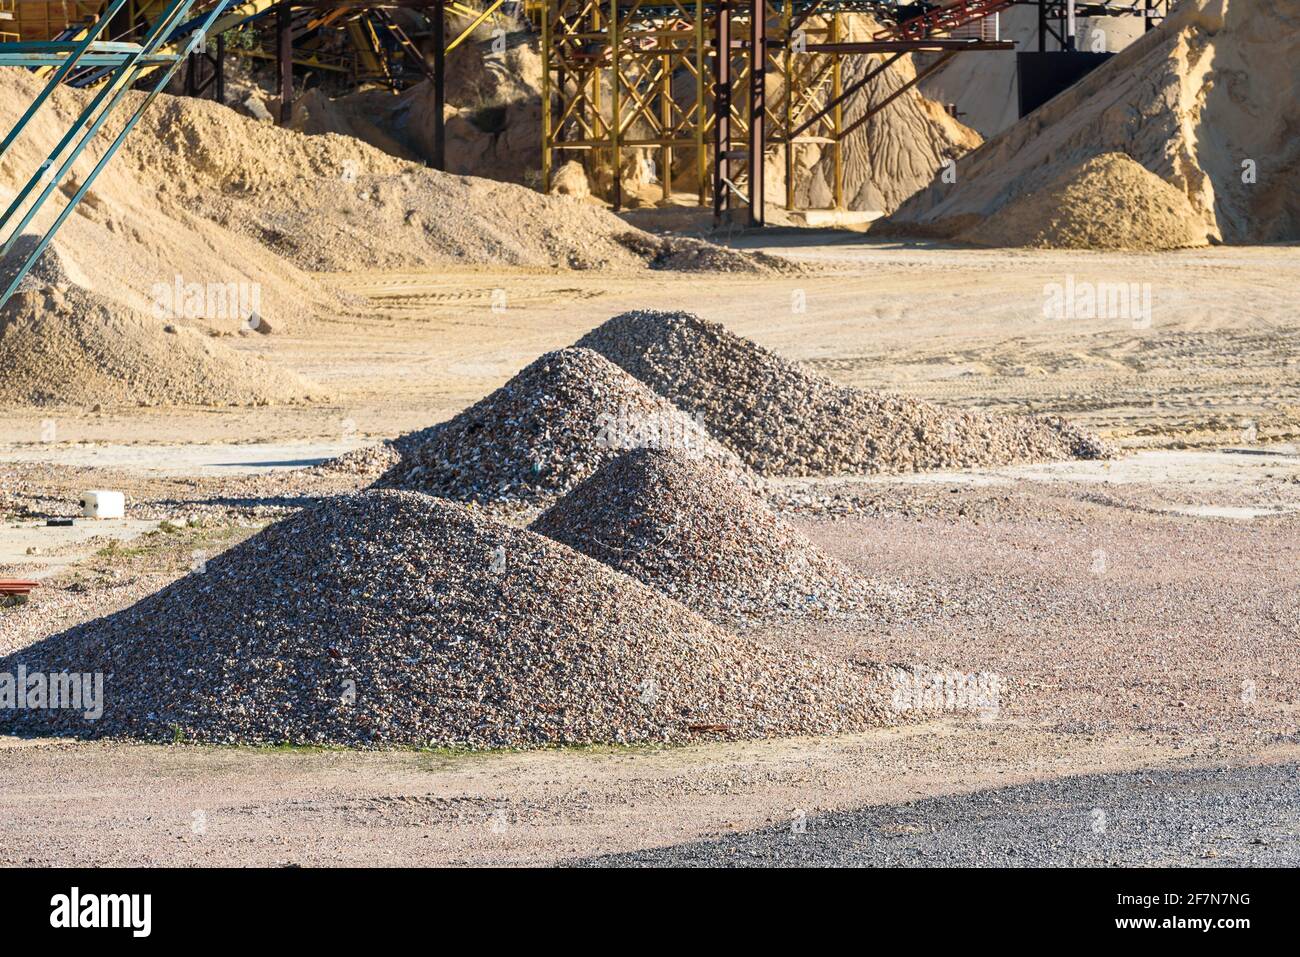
(955, 325)
(1140, 614)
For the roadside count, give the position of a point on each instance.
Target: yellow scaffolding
(8, 22)
(622, 74)
(608, 72)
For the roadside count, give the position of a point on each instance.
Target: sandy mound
(782, 419)
(61, 344)
(544, 431)
(1209, 102)
(689, 530)
(391, 618)
(1109, 202)
(333, 203)
(200, 192)
(897, 152)
(136, 232)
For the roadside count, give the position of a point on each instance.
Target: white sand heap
(1209, 102)
(391, 618)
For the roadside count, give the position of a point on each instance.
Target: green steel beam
(123, 80)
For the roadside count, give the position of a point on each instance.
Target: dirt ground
(1140, 614)
(961, 326)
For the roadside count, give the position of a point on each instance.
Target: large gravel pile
(544, 431)
(392, 618)
(688, 529)
(783, 419)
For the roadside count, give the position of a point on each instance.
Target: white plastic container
(103, 504)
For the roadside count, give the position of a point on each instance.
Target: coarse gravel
(390, 618)
(785, 420)
(689, 530)
(545, 431)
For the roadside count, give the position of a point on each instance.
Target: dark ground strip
(1213, 817)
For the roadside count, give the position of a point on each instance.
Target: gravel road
(1243, 816)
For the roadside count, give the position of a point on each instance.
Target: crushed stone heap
(393, 618)
(544, 431)
(784, 420)
(687, 529)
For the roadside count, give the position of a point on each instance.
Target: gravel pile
(545, 431)
(366, 461)
(392, 618)
(784, 420)
(687, 529)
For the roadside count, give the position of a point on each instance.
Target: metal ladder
(128, 63)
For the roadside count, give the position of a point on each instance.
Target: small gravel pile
(687, 529)
(367, 461)
(392, 618)
(784, 420)
(545, 431)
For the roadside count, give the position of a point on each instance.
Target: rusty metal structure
(712, 89)
(692, 76)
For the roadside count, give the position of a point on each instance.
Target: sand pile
(333, 203)
(202, 193)
(782, 419)
(135, 235)
(1209, 102)
(544, 431)
(1108, 202)
(493, 108)
(686, 528)
(61, 344)
(390, 618)
(896, 153)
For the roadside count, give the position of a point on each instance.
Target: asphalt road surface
(1212, 817)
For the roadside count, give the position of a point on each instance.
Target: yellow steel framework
(8, 22)
(730, 80)
(612, 69)
(624, 74)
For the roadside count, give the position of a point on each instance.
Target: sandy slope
(1207, 102)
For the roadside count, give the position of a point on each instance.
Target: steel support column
(219, 76)
(757, 107)
(722, 112)
(439, 84)
(284, 59)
